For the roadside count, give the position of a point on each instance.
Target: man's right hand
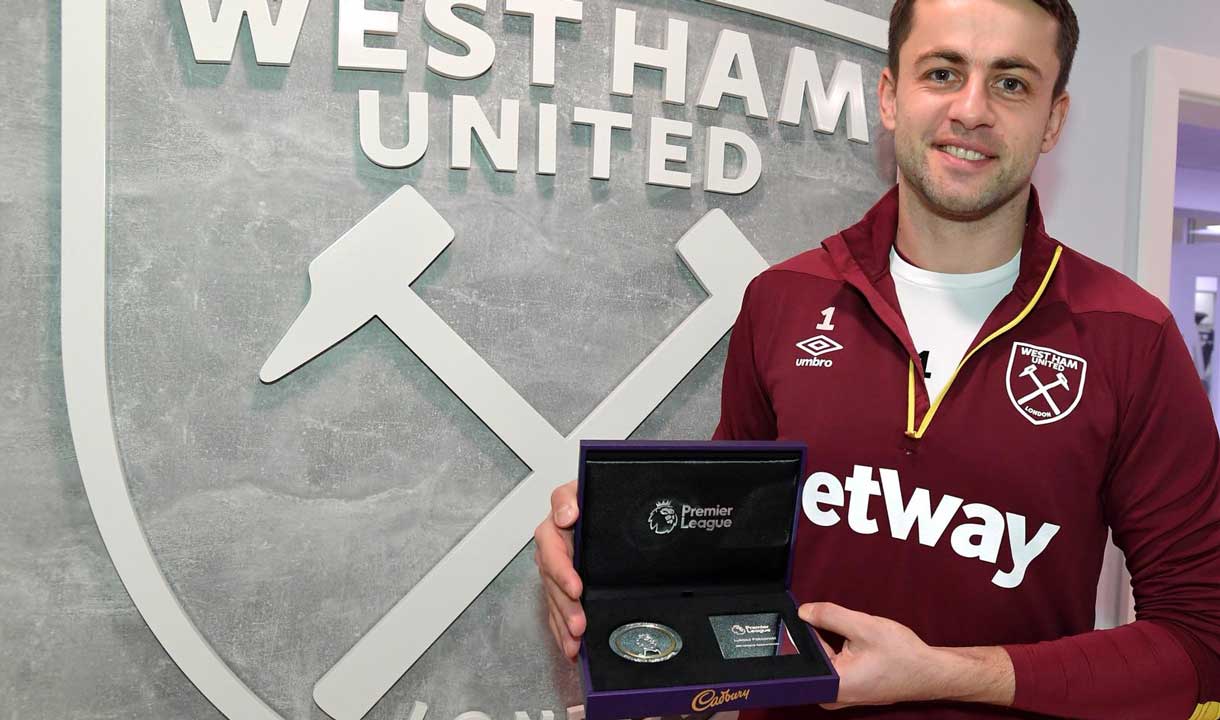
(560, 582)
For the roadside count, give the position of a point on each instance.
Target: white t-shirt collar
(927, 278)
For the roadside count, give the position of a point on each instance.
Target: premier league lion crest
(1044, 385)
(663, 519)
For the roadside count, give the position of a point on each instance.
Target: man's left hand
(883, 662)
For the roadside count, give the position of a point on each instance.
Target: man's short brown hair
(1061, 10)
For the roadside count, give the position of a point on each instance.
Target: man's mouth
(962, 153)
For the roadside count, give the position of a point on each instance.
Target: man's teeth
(962, 153)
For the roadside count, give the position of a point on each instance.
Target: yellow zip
(927, 419)
(911, 399)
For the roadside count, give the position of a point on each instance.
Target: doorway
(1195, 247)
(1174, 214)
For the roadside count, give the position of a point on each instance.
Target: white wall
(1084, 182)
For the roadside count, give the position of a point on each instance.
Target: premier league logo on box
(662, 520)
(665, 518)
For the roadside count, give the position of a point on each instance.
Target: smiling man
(987, 405)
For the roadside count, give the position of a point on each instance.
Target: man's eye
(940, 76)
(1011, 85)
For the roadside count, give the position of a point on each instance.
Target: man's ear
(1054, 123)
(887, 98)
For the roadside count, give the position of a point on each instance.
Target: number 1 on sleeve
(828, 316)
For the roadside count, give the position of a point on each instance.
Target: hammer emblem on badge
(1046, 402)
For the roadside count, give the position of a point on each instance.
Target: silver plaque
(645, 642)
(753, 635)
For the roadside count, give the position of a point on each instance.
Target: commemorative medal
(645, 642)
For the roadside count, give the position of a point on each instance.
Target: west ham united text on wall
(731, 160)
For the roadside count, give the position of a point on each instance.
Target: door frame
(1164, 77)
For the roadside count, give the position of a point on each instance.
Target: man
(995, 403)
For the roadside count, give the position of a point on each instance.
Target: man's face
(972, 106)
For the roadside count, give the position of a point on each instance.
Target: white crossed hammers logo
(367, 273)
(1031, 371)
(1062, 395)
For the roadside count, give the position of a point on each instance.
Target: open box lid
(687, 515)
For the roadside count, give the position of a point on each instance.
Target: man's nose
(972, 105)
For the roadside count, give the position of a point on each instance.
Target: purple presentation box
(695, 537)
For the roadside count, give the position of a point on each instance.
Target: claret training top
(981, 518)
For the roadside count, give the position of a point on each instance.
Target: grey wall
(289, 517)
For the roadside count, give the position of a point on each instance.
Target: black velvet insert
(700, 661)
(694, 519)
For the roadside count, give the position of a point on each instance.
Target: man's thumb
(829, 616)
(565, 515)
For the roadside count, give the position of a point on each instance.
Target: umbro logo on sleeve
(817, 346)
(980, 533)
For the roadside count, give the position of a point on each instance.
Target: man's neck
(939, 244)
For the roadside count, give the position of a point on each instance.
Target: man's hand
(560, 583)
(884, 662)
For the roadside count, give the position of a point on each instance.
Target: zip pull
(911, 432)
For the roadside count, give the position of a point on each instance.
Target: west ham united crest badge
(1044, 385)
